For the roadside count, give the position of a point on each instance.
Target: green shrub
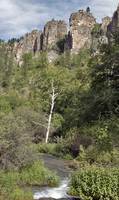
(93, 155)
(94, 183)
(37, 174)
(115, 156)
(46, 148)
(11, 183)
(68, 157)
(105, 158)
(96, 29)
(9, 187)
(9, 180)
(19, 194)
(57, 149)
(4, 105)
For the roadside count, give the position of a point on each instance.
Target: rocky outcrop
(113, 27)
(30, 43)
(54, 33)
(84, 32)
(51, 40)
(81, 25)
(54, 38)
(99, 34)
(105, 22)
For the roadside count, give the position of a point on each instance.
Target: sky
(18, 17)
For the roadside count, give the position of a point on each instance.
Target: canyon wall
(56, 38)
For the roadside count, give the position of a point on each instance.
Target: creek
(60, 192)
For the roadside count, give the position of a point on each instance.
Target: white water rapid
(55, 193)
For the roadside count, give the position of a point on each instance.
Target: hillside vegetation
(85, 121)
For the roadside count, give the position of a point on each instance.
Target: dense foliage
(85, 122)
(95, 183)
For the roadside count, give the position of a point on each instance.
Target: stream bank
(61, 168)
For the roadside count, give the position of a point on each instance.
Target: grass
(49, 148)
(59, 150)
(12, 183)
(38, 175)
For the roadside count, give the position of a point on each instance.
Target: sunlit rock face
(54, 38)
(105, 22)
(81, 25)
(30, 43)
(113, 27)
(54, 33)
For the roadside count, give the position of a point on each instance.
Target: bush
(62, 149)
(93, 155)
(57, 149)
(115, 156)
(46, 148)
(4, 105)
(18, 132)
(37, 175)
(9, 187)
(94, 183)
(16, 150)
(19, 194)
(68, 157)
(96, 29)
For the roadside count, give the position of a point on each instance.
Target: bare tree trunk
(53, 97)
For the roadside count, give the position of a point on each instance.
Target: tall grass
(59, 150)
(12, 183)
(38, 175)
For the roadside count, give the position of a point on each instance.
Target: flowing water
(62, 170)
(55, 193)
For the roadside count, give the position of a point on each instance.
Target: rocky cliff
(30, 43)
(50, 40)
(53, 38)
(81, 25)
(99, 34)
(84, 32)
(113, 27)
(54, 32)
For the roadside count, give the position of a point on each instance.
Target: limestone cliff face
(113, 27)
(84, 32)
(50, 40)
(105, 22)
(53, 38)
(81, 25)
(99, 34)
(30, 43)
(54, 32)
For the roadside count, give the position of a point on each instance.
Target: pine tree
(88, 9)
